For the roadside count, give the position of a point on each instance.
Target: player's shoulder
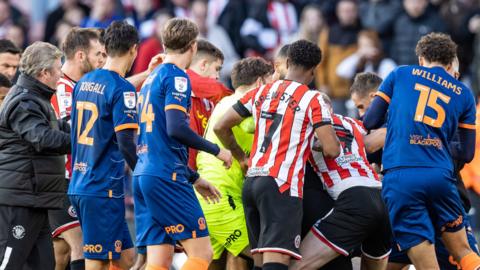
(171, 70)
(66, 83)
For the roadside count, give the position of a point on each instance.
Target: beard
(87, 67)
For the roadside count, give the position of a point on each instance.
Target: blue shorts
(166, 211)
(422, 202)
(444, 258)
(105, 231)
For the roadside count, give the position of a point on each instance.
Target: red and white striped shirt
(62, 104)
(285, 114)
(351, 168)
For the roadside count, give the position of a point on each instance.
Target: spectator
(63, 27)
(5, 85)
(230, 15)
(9, 59)
(58, 14)
(368, 58)
(216, 35)
(473, 28)
(17, 35)
(180, 8)
(32, 163)
(153, 45)
(337, 43)
(142, 17)
(74, 16)
(269, 24)
(311, 24)
(102, 15)
(415, 22)
(379, 15)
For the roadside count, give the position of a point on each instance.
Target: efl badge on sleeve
(181, 84)
(129, 99)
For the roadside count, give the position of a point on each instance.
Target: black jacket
(32, 147)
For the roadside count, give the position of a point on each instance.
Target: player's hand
(244, 165)
(156, 60)
(208, 191)
(225, 156)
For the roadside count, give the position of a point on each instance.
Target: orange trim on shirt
(110, 193)
(126, 126)
(383, 95)
(174, 176)
(468, 126)
(175, 107)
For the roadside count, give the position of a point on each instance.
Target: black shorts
(63, 219)
(25, 240)
(316, 204)
(273, 218)
(359, 218)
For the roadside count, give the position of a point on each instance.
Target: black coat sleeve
(29, 121)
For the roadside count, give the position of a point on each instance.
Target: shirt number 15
(429, 97)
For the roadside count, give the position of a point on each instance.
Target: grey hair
(39, 56)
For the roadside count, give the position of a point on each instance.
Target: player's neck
(296, 75)
(72, 71)
(179, 60)
(433, 64)
(119, 65)
(244, 89)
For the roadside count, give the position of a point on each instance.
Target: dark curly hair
(305, 54)
(119, 38)
(365, 83)
(179, 34)
(437, 47)
(248, 70)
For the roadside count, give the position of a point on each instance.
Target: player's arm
(223, 130)
(29, 121)
(321, 120)
(127, 146)
(374, 117)
(464, 149)
(375, 140)
(137, 79)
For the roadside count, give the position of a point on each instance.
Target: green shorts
(227, 227)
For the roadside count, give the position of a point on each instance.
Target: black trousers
(25, 239)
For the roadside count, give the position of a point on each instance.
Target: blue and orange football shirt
(167, 88)
(103, 103)
(426, 106)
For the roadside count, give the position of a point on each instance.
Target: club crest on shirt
(129, 99)
(181, 84)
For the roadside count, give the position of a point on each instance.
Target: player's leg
(405, 192)
(449, 219)
(62, 253)
(315, 253)
(127, 256)
(218, 262)
(242, 261)
(74, 239)
(140, 262)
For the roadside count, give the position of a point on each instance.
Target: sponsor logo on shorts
(298, 239)
(172, 229)
(72, 212)
(118, 246)
(232, 238)
(18, 232)
(93, 248)
(202, 225)
(453, 224)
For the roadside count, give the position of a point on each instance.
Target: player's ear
(80, 55)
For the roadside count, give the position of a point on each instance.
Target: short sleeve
(244, 107)
(177, 93)
(385, 90)
(124, 108)
(468, 117)
(319, 112)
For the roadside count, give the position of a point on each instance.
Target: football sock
(274, 266)
(195, 263)
(470, 262)
(77, 265)
(154, 267)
